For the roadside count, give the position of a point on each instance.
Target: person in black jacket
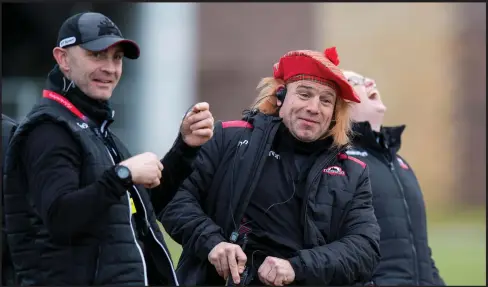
(406, 258)
(79, 209)
(8, 276)
(273, 199)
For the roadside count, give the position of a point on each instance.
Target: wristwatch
(123, 173)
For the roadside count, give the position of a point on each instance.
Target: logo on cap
(107, 27)
(67, 41)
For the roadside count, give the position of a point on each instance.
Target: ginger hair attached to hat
(317, 67)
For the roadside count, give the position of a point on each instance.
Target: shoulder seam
(236, 124)
(356, 160)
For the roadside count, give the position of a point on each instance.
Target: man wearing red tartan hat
(274, 199)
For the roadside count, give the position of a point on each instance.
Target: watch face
(123, 172)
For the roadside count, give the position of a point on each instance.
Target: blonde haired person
(273, 199)
(406, 258)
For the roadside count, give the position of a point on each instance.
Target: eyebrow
(325, 93)
(305, 87)
(119, 50)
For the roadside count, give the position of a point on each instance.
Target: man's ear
(61, 57)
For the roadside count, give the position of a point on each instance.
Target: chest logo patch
(334, 170)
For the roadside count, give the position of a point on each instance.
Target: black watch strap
(123, 174)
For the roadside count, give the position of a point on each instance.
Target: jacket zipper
(132, 228)
(166, 252)
(97, 264)
(409, 221)
(255, 180)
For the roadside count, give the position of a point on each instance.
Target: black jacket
(8, 128)
(399, 207)
(341, 234)
(68, 216)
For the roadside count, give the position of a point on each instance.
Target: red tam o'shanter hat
(315, 66)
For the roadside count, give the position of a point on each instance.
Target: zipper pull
(145, 228)
(392, 167)
(233, 237)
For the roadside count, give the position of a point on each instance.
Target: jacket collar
(389, 138)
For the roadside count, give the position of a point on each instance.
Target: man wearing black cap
(79, 209)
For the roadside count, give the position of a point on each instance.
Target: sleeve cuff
(209, 245)
(184, 148)
(116, 186)
(298, 267)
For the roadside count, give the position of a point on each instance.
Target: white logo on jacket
(82, 125)
(244, 142)
(273, 154)
(357, 152)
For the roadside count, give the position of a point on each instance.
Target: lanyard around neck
(65, 102)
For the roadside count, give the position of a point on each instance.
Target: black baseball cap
(94, 32)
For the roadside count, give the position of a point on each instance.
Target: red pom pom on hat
(331, 54)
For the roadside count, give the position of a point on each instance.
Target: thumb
(203, 106)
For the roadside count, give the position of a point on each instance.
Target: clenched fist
(228, 258)
(145, 169)
(197, 126)
(276, 272)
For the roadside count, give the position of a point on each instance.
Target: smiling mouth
(308, 121)
(102, 81)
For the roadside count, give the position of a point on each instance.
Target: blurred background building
(429, 61)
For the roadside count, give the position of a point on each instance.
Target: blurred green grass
(458, 243)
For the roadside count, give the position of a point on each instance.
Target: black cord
(232, 188)
(232, 175)
(252, 111)
(271, 206)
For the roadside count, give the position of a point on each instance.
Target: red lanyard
(63, 101)
(67, 104)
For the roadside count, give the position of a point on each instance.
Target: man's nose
(109, 67)
(313, 105)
